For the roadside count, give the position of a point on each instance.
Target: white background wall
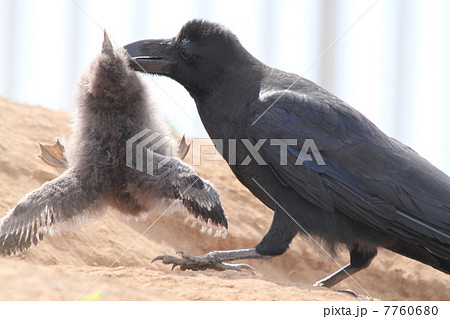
(393, 64)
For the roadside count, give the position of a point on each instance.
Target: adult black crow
(113, 110)
(372, 190)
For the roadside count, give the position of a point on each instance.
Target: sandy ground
(76, 264)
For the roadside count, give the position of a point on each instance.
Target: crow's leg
(274, 243)
(358, 260)
(213, 260)
(280, 234)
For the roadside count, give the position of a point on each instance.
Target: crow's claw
(196, 263)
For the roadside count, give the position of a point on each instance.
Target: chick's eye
(186, 54)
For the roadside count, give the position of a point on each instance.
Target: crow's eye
(186, 54)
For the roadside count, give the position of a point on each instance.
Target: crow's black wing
(367, 175)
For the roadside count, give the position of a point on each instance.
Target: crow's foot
(196, 263)
(350, 292)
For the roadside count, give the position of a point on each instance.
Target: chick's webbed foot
(213, 260)
(54, 154)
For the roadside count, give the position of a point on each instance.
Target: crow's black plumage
(372, 192)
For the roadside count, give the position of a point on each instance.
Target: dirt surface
(77, 264)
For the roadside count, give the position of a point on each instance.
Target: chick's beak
(107, 46)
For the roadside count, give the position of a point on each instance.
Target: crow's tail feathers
(421, 254)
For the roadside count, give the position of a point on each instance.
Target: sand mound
(68, 265)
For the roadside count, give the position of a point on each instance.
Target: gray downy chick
(113, 107)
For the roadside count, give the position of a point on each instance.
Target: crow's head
(201, 57)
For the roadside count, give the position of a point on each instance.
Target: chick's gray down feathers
(113, 106)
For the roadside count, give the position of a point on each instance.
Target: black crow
(113, 109)
(352, 185)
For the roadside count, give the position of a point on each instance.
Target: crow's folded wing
(367, 175)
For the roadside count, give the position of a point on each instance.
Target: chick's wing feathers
(56, 203)
(168, 177)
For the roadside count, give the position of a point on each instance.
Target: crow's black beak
(151, 56)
